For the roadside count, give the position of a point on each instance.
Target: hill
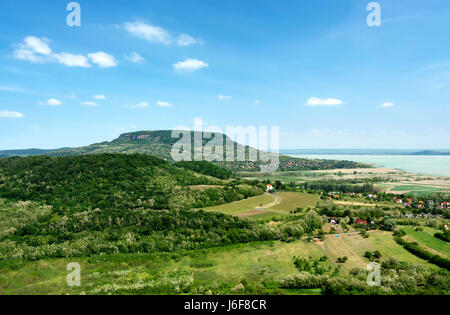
(160, 143)
(24, 152)
(112, 181)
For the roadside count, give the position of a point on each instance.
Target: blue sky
(314, 68)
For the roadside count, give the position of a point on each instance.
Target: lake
(438, 165)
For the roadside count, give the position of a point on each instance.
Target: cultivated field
(213, 269)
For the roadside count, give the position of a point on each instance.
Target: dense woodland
(114, 181)
(112, 203)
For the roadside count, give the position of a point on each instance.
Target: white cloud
(163, 104)
(54, 102)
(89, 103)
(28, 55)
(9, 114)
(224, 97)
(187, 40)
(189, 65)
(100, 97)
(154, 34)
(72, 60)
(33, 49)
(256, 102)
(36, 50)
(38, 45)
(139, 105)
(102, 59)
(315, 101)
(134, 57)
(386, 105)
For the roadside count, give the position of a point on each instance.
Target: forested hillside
(160, 143)
(119, 203)
(112, 181)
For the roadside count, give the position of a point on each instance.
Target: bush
(443, 236)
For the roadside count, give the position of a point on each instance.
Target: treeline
(206, 168)
(397, 278)
(445, 236)
(112, 181)
(337, 186)
(34, 235)
(424, 254)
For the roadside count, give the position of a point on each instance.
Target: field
(217, 269)
(354, 246)
(268, 261)
(243, 206)
(268, 205)
(427, 239)
(419, 189)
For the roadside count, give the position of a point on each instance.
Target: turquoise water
(438, 165)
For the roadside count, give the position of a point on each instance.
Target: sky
(316, 69)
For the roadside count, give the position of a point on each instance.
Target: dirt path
(270, 205)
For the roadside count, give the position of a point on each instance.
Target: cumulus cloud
(28, 55)
(224, 97)
(54, 102)
(154, 34)
(89, 103)
(37, 50)
(187, 40)
(72, 60)
(134, 57)
(386, 105)
(189, 65)
(139, 105)
(33, 49)
(315, 101)
(38, 45)
(163, 104)
(100, 97)
(102, 59)
(10, 114)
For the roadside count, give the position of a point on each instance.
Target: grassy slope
(288, 201)
(213, 268)
(244, 205)
(270, 261)
(384, 242)
(427, 239)
(255, 262)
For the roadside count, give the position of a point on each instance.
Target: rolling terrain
(160, 143)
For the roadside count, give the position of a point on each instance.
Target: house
(269, 188)
(359, 221)
(332, 220)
